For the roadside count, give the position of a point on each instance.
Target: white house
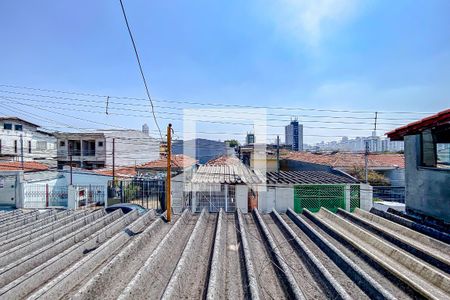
(20, 138)
(94, 150)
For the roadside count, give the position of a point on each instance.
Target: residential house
(427, 155)
(180, 163)
(94, 150)
(20, 138)
(202, 150)
(37, 186)
(259, 157)
(221, 183)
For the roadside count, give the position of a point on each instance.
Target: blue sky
(326, 54)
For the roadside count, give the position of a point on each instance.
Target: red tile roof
(439, 119)
(224, 160)
(120, 172)
(28, 166)
(178, 160)
(349, 160)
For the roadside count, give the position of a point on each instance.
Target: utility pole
(114, 161)
(168, 177)
(21, 152)
(366, 162)
(71, 169)
(375, 123)
(278, 157)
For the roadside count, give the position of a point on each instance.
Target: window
(435, 148)
(29, 146)
(7, 126)
(15, 146)
(100, 144)
(18, 127)
(62, 144)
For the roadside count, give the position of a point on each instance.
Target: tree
(374, 178)
(232, 143)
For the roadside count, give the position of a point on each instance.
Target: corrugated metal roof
(306, 177)
(238, 173)
(94, 255)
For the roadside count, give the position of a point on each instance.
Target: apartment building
(20, 138)
(94, 150)
(294, 135)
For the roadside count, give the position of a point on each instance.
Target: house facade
(94, 150)
(20, 138)
(427, 154)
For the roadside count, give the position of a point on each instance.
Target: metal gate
(89, 195)
(216, 198)
(150, 193)
(8, 190)
(45, 195)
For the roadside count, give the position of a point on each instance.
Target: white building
(358, 144)
(95, 149)
(20, 138)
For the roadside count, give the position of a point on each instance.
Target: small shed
(228, 186)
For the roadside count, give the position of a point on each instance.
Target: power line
(140, 67)
(172, 119)
(212, 116)
(222, 104)
(101, 101)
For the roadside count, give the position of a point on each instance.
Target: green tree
(374, 178)
(232, 143)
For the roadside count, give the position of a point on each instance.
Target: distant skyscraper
(145, 129)
(294, 135)
(250, 139)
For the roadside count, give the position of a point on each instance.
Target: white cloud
(307, 19)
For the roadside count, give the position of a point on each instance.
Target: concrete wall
(131, 147)
(396, 176)
(242, 198)
(427, 189)
(295, 165)
(365, 197)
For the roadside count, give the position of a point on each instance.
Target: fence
(330, 196)
(88, 195)
(223, 196)
(150, 193)
(389, 193)
(45, 195)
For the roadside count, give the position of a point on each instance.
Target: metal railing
(45, 195)
(150, 193)
(389, 193)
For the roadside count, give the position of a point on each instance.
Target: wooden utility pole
(168, 177)
(114, 162)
